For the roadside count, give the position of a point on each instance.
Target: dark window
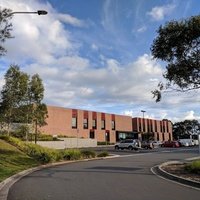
(92, 136)
(158, 137)
(85, 123)
(103, 124)
(155, 126)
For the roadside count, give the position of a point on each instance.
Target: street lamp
(143, 111)
(39, 12)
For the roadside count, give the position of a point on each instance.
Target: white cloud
(94, 47)
(142, 29)
(159, 12)
(190, 115)
(66, 18)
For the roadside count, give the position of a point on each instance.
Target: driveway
(126, 177)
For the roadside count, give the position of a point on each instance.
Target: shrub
(71, 154)
(193, 167)
(104, 143)
(88, 154)
(103, 154)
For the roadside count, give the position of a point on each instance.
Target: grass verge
(13, 160)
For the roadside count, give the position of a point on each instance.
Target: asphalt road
(127, 177)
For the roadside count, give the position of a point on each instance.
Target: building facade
(150, 129)
(101, 126)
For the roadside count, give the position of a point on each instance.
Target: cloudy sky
(95, 54)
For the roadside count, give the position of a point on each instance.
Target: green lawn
(13, 161)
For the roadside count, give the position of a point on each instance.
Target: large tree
(21, 99)
(178, 45)
(185, 129)
(38, 110)
(5, 28)
(13, 94)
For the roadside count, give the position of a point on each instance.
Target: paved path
(127, 177)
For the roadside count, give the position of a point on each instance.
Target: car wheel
(116, 147)
(130, 148)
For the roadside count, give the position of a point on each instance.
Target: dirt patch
(179, 170)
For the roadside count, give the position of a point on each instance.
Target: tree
(38, 110)
(13, 94)
(185, 129)
(21, 99)
(178, 44)
(5, 28)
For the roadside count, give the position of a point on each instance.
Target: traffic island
(175, 171)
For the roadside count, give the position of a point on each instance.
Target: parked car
(170, 144)
(157, 144)
(128, 144)
(186, 142)
(147, 145)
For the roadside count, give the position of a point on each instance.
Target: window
(92, 136)
(94, 123)
(85, 123)
(74, 122)
(155, 126)
(74, 118)
(103, 124)
(94, 120)
(113, 122)
(113, 125)
(85, 119)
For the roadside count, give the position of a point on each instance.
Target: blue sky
(95, 54)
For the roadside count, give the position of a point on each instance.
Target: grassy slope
(12, 160)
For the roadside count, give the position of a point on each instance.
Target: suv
(127, 144)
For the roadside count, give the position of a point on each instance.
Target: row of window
(149, 127)
(94, 123)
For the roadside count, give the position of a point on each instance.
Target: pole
(199, 142)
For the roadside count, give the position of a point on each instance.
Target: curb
(161, 172)
(7, 183)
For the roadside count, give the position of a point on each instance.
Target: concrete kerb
(158, 170)
(7, 183)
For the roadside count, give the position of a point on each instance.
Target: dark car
(147, 144)
(170, 144)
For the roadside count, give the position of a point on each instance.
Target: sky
(95, 54)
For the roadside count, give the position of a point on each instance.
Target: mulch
(179, 170)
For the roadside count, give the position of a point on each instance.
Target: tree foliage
(5, 28)
(178, 44)
(13, 93)
(185, 128)
(21, 99)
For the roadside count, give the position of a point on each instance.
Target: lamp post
(143, 111)
(39, 12)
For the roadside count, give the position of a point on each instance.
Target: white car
(157, 144)
(186, 142)
(127, 144)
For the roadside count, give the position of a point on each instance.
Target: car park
(131, 144)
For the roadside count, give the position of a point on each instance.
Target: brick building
(102, 126)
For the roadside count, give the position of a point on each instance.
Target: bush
(71, 154)
(104, 143)
(193, 167)
(88, 154)
(103, 154)
(41, 154)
